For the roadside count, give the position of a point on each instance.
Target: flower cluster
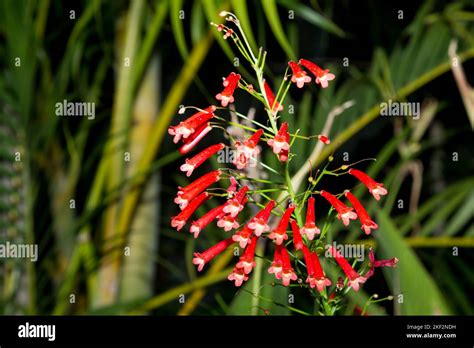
(274, 221)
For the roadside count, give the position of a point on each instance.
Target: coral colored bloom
(274, 105)
(324, 139)
(297, 239)
(309, 262)
(228, 33)
(281, 142)
(198, 225)
(287, 272)
(247, 260)
(189, 126)
(238, 276)
(200, 158)
(344, 212)
(354, 278)
(179, 220)
(249, 146)
(259, 223)
(319, 279)
(365, 220)
(316, 277)
(379, 263)
(277, 266)
(227, 222)
(240, 161)
(195, 138)
(243, 237)
(310, 228)
(247, 150)
(279, 233)
(322, 76)
(232, 189)
(200, 259)
(186, 194)
(230, 83)
(299, 75)
(375, 188)
(235, 205)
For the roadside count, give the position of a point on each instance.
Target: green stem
(292, 192)
(173, 294)
(257, 276)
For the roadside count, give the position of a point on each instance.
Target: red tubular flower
(319, 280)
(375, 188)
(344, 212)
(322, 76)
(247, 149)
(227, 222)
(200, 158)
(378, 263)
(186, 194)
(192, 124)
(297, 239)
(247, 260)
(230, 83)
(283, 156)
(232, 189)
(310, 228)
(277, 266)
(324, 139)
(309, 265)
(354, 278)
(299, 75)
(364, 218)
(274, 105)
(316, 277)
(287, 272)
(281, 142)
(195, 138)
(259, 223)
(234, 205)
(198, 225)
(200, 259)
(238, 276)
(243, 236)
(179, 220)
(279, 233)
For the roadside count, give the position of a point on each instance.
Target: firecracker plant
(298, 241)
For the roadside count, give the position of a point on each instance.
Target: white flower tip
(223, 13)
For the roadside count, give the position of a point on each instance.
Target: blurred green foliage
(49, 54)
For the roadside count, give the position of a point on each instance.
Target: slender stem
(292, 192)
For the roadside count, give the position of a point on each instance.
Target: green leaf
(432, 203)
(313, 17)
(197, 22)
(271, 12)
(421, 295)
(461, 218)
(177, 25)
(440, 215)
